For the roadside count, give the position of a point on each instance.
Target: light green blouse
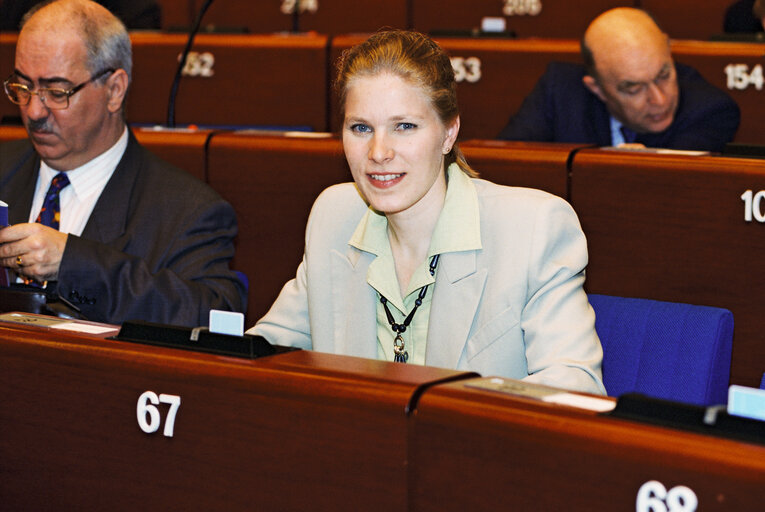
(457, 229)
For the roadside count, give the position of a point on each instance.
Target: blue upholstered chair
(666, 350)
(762, 382)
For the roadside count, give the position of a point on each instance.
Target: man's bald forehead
(621, 30)
(57, 13)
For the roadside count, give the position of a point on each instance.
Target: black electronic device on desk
(714, 421)
(741, 150)
(739, 37)
(474, 33)
(198, 339)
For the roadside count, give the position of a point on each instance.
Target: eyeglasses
(51, 97)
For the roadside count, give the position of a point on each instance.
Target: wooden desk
(528, 18)
(296, 431)
(186, 149)
(333, 17)
(311, 431)
(673, 228)
(182, 148)
(493, 76)
(684, 20)
(7, 59)
(478, 450)
(272, 182)
(522, 164)
(265, 80)
(12, 132)
(734, 68)
(176, 13)
(241, 80)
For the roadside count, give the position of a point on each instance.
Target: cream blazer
(514, 308)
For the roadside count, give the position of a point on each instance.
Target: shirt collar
(457, 229)
(616, 132)
(83, 177)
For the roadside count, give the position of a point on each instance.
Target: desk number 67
(148, 414)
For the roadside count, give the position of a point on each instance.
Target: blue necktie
(628, 135)
(50, 214)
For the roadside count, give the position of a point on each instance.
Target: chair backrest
(762, 382)
(668, 350)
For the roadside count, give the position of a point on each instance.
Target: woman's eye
(406, 126)
(360, 128)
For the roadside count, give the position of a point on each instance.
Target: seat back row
(527, 18)
(666, 227)
(283, 81)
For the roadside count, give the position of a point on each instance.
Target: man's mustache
(38, 125)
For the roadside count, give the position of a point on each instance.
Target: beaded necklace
(399, 349)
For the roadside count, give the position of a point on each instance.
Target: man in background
(122, 234)
(629, 91)
(745, 16)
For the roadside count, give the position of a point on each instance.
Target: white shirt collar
(86, 177)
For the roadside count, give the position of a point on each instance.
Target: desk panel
(183, 148)
(325, 17)
(265, 80)
(296, 431)
(480, 450)
(521, 164)
(528, 18)
(673, 228)
(494, 76)
(176, 14)
(736, 68)
(689, 20)
(7, 59)
(12, 132)
(272, 182)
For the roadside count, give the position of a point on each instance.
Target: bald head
(630, 68)
(106, 39)
(619, 32)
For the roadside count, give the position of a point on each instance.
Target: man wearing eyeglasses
(629, 91)
(122, 234)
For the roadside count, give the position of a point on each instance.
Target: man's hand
(32, 250)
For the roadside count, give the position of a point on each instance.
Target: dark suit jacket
(740, 18)
(157, 245)
(562, 109)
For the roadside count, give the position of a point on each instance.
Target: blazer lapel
(353, 304)
(109, 217)
(456, 297)
(601, 121)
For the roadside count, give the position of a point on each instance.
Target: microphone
(296, 8)
(182, 64)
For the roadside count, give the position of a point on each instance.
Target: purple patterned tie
(50, 215)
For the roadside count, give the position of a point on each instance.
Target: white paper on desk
(656, 151)
(590, 403)
(86, 328)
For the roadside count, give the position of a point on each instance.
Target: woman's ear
(452, 130)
